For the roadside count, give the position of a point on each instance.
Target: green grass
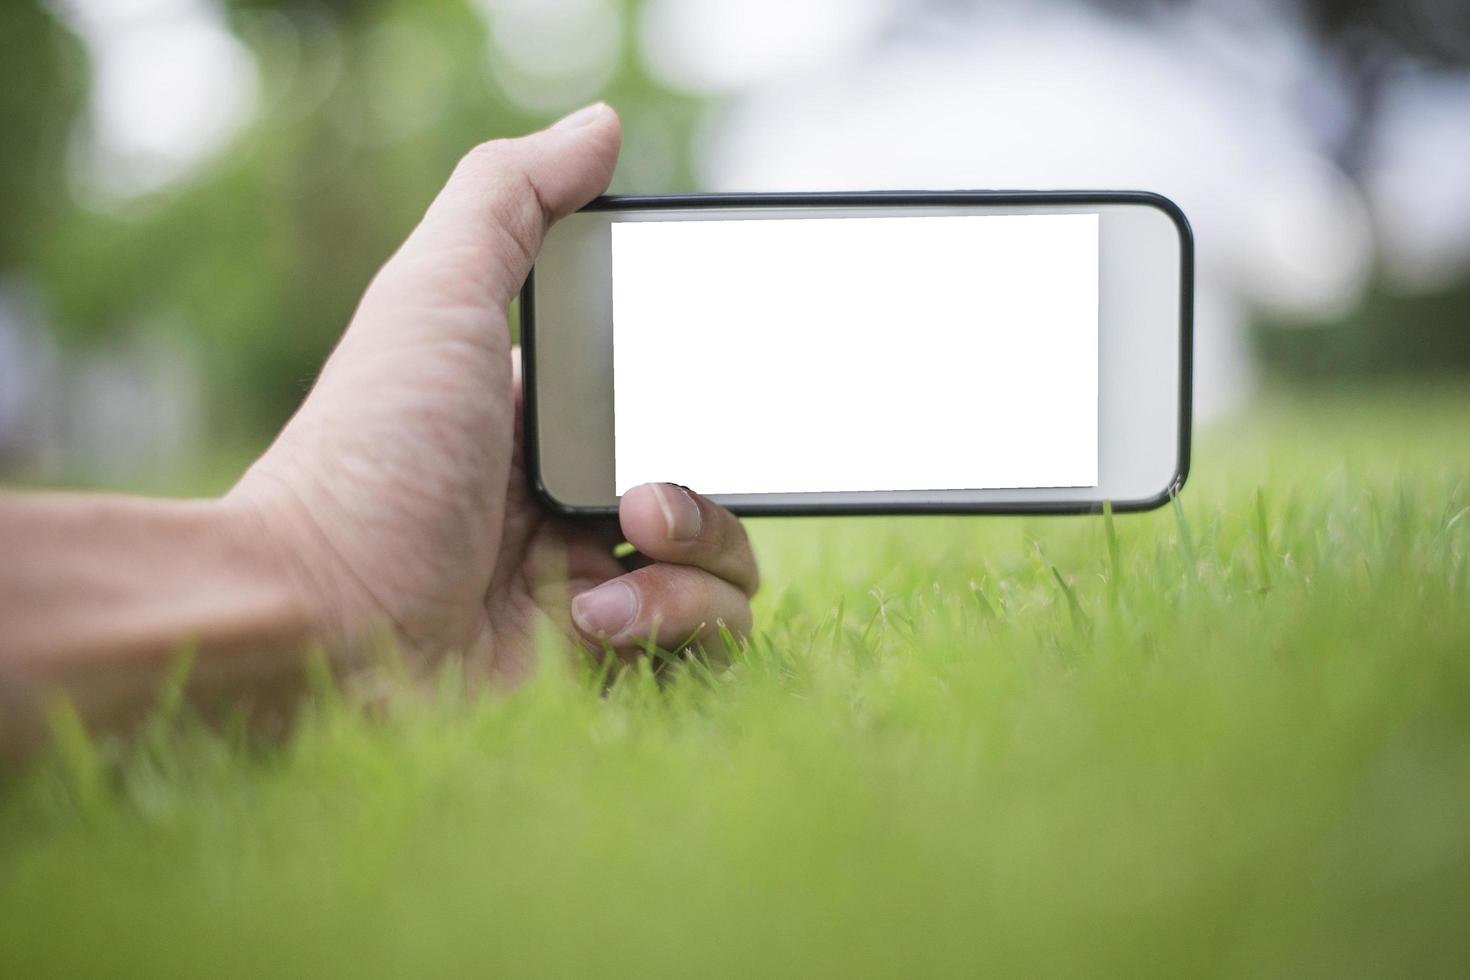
(1230, 739)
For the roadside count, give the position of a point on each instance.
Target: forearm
(98, 593)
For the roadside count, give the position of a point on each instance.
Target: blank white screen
(831, 354)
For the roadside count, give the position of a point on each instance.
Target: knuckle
(490, 155)
(721, 529)
(659, 585)
(752, 580)
(734, 545)
(690, 591)
(683, 592)
(515, 212)
(706, 599)
(510, 196)
(734, 531)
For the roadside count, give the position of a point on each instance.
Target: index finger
(670, 524)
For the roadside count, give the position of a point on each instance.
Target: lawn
(1227, 738)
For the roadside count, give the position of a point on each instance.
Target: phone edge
(530, 443)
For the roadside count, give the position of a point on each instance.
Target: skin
(394, 503)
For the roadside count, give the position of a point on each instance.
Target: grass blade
(1263, 542)
(1115, 562)
(1186, 540)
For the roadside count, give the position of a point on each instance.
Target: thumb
(502, 197)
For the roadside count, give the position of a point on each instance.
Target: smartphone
(965, 352)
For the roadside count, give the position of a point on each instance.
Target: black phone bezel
(531, 445)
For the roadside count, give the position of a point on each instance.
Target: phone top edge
(631, 202)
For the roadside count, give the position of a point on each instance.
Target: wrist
(106, 590)
(327, 603)
(280, 608)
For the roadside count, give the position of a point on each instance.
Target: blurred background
(193, 193)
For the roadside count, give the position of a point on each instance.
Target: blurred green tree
(259, 256)
(43, 83)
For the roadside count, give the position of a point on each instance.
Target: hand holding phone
(397, 495)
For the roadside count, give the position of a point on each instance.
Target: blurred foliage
(254, 262)
(1389, 333)
(364, 107)
(43, 82)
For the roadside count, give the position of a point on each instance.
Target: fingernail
(581, 117)
(607, 610)
(682, 518)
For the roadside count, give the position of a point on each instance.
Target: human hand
(395, 497)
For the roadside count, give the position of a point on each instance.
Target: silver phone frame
(1145, 359)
